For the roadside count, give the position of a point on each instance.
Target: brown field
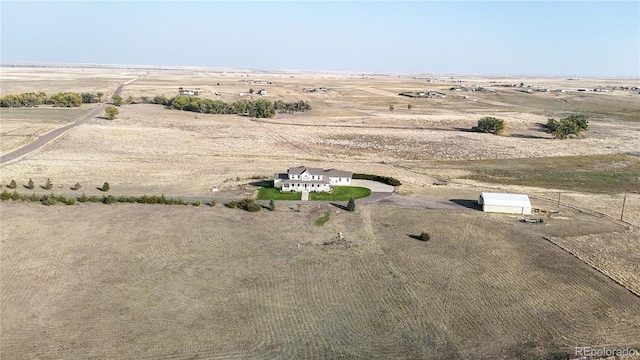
(187, 282)
(131, 281)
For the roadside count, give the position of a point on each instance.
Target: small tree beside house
(351, 205)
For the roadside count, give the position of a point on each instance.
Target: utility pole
(623, 203)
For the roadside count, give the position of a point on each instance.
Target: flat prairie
(142, 281)
(145, 281)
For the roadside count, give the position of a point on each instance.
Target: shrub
(123, 199)
(83, 198)
(48, 200)
(77, 186)
(30, 184)
(351, 206)
(212, 203)
(105, 187)
(272, 205)
(48, 185)
(196, 203)
(249, 204)
(232, 204)
(490, 125)
(133, 199)
(62, 199)
(33, 198)
(15, 196)
(424, 236)
(12, 184)
(5, 195)
(109, 199)
(70, 201)
(94, 198)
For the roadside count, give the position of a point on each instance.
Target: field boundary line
(550, 239)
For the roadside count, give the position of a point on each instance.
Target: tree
(570, 126)
(391, 107)
(409, 106)
(66, 100)
(48, 185)
(117, 100)
(490, 125)
(105, 186)
(12, 184)
(30, 184)
(424, 236)
(100, 95)
(351, 206)
(251, 91)
(111, 112)
(272, 205)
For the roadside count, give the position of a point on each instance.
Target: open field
(21, 126)
(131, 281)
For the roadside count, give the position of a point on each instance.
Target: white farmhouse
(505, 203)
(304, 178)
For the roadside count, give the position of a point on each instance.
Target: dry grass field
(144, 281)
(131, 281)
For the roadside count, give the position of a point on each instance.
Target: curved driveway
(48, 137)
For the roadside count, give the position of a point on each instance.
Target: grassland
(340, 193)
(131, 281)
(135, 281)
(597, 173)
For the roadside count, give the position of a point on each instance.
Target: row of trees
(260, 108)
(67, 99)
(51, 199)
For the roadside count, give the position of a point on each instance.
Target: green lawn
(340, 193)
(269, 193)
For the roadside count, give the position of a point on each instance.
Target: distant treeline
(67, 99)
(260, 108)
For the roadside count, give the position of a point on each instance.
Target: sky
(553, 38)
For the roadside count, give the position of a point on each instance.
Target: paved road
(48, 137)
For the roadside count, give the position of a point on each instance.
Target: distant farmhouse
(304, 178)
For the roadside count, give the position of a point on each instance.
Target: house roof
(318, 171)
(518, 200)
(337, 173)
(300, 169)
